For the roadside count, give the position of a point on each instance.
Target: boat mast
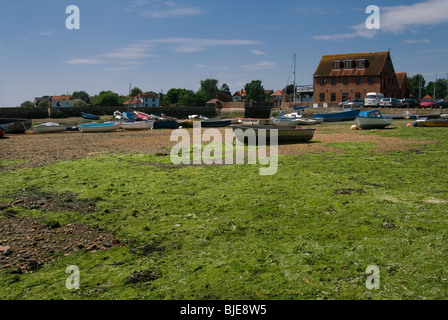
(294, 96)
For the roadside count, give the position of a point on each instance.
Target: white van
(373, 99)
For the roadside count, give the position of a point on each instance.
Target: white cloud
(85, 61)
(263, 65)
(398, 19)
(136, 53)
(416, 41)
(172, 13)
(257, 52)
(158, 9)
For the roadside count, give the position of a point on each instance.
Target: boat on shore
(215, 122)
(48, 127)
(137, 125)
(89, 116)
(2, 132)
(100, 127)
(254, 121)
(372, 120)
(285, 134)
(431, 122)
(346, 115)
(15, 125)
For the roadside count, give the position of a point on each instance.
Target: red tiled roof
(376, 60)
(277, 93)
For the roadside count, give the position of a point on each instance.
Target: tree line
(419, 88)
(209, 89)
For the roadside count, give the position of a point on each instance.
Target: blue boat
(100, 127)
(346, 115)
(89, 116)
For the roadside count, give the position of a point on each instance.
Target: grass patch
(225, 232)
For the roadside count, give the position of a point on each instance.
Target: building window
(337, 65)
(370, 80)
(357, 95)
(322, 97)
(322, 81)
(333, 97)
(333, 80)
(344, 97)
(349, 64)
(363, 63)
(345, 80)
(358, 80)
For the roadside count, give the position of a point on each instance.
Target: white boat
(284, 134)
(100, 127)
(295, 119)
(48, 127)
(137, 125)
(372, 120)
(253, 121)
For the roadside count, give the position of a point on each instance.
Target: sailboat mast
(294, 96)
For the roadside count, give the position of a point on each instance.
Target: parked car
(390, 102)
(428, 103)
(442, 103)
(409, 103)
(355, 103)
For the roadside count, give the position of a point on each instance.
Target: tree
(225, 89)
(210, 88)
(106, 98)
(172, 96)
(27, 104)
(254, 91)
(441, 87)
(135, 92)
(82, 95)
(80, 103)
(417, 85)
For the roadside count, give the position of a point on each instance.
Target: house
(143, 100)
(403, 84)
(133, 103)
(149, 99)
(239, 96)
(340, 77)
(49, 99)
(277, 95)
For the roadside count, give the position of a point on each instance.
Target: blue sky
(157, 45)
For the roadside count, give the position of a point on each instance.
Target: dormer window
(337, 64)
(349, 64)
(363, 63)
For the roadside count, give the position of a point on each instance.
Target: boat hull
(285, 134)
(165, 124)
(338, 116)
(15, 125)
(99, 127)
(216, 123)
(89, 116)
(372, 123)
(432, 123)
(48, 128)
(139, 125)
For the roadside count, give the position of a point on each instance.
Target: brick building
(351, 76)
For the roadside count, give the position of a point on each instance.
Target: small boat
(165, 124)
(48, 127)
(215, 122)
(15, 125)
(345, 115)
(372, 120)
(2, 132)
(143, 116)
(285, 134)
(131, 115)
(431, 122)
(120, 116)
(137, 125)
(254, 121)
(89, 116)
(100, 127)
